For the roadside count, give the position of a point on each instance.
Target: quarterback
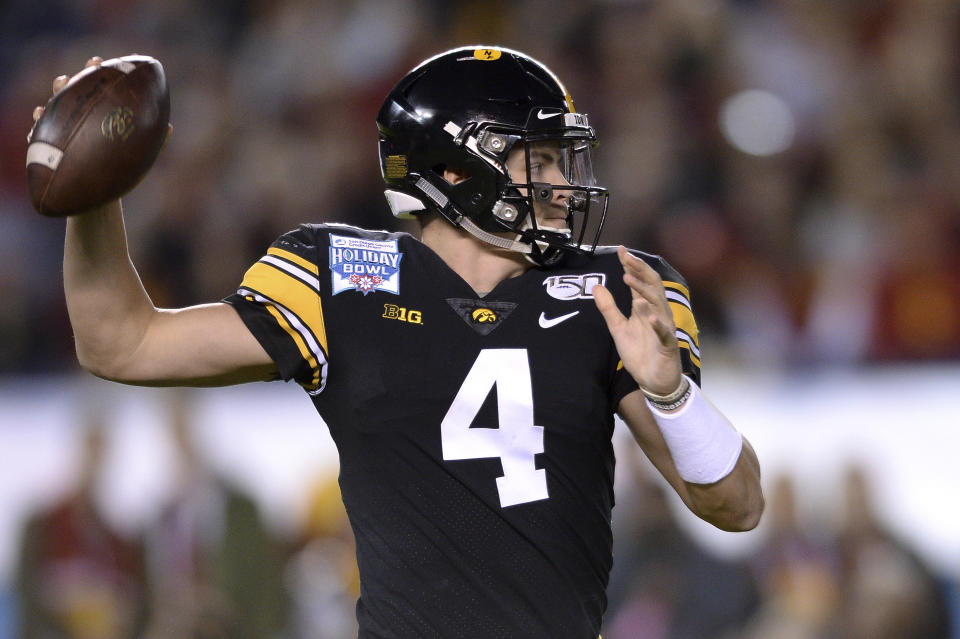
(469, 377)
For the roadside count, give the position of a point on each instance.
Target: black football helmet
(466, 109)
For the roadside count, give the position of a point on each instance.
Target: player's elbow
(101, 361)
(733, 507)
(736, 516)
(94, 365)
(747, 518)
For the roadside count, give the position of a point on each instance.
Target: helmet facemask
(548, 196)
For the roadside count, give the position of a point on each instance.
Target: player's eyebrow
(541, 154)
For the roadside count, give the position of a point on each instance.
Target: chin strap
(500, 242)
(544, 256)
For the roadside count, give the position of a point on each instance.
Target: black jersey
(474, 434)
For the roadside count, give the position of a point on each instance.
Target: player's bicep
(206, 345)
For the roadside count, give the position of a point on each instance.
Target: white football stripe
(45, 154)
(120, 65)
(296, 271)
(685, 338)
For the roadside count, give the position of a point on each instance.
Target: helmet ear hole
(451, 174)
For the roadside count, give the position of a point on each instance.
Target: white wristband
(704, 445)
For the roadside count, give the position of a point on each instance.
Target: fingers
(608, 307)
(661, 324)
(61, 81)
(638, 268)
(666, 333)
(642, 279)
(649, 295)
(166, 137)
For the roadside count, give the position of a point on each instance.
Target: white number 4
(516, 441)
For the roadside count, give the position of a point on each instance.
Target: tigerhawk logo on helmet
(467, 109)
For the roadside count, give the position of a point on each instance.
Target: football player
(470, 377)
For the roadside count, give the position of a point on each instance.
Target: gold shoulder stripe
(301, 346)
(687, 332)
(296, 259)
(680, 288)
(290, 292)
(683, 318)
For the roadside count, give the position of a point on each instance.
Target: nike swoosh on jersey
(546, 322)
(543, 116)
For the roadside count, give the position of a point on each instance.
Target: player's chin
(554, 224)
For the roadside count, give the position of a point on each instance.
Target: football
(98, 136)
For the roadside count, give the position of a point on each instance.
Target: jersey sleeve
(279, 301)
(688, 335)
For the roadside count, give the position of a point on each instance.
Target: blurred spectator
(888, 593)
(797, 574)
(214, 569)
(663, 585)
(8, 612)
(322, 575)
(78, 578)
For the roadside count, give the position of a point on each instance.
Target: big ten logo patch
(364, 265)
(573, 287)
(394, 312)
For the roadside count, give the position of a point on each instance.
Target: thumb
(607, 307)
(166, 138)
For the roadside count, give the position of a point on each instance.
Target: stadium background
(798, 162)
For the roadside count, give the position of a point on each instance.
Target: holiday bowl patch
(364, 265)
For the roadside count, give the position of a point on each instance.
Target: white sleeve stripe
(301, 330)
(683, 336)
(674, 296)
(304, 276)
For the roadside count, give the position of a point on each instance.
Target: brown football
(98, 136)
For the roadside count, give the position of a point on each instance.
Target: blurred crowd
(831, 241)
(813, 575)
(828, 235)
(208, 564)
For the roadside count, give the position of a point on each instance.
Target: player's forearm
(108, 306)
(734, 503)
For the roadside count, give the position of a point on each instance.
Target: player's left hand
(646, 341)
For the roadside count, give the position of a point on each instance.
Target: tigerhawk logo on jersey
(482, 316)
(573, 287)
(364, 265)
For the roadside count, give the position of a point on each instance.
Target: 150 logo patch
(573, 287)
